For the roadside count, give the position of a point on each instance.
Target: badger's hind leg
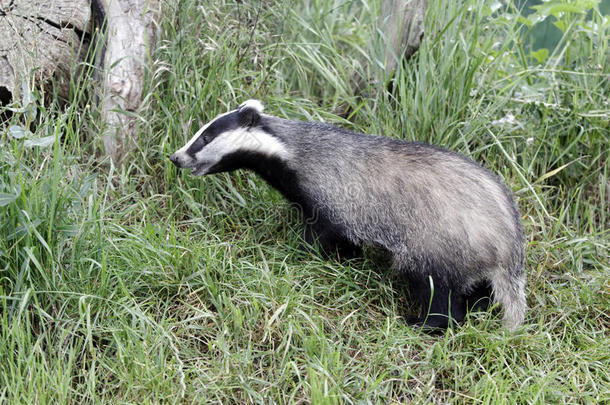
(440, 304)
(479, 297)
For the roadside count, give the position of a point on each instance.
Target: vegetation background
(144, 285)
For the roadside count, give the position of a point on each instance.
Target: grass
(141, 284)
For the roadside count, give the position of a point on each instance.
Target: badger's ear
(250, 113)
(249, 117)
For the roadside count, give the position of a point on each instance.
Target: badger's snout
(180, 161)
(175, 159)
(183, 161)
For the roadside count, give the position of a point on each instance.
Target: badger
(449, 225)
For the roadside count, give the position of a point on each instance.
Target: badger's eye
(197, 146)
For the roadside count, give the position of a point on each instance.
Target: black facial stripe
(226, 123)
(196, 146)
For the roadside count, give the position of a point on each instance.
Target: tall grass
(144, 285)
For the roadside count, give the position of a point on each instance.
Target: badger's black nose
(174, 159)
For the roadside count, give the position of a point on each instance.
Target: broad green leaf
(26, 94)
(28, 100)
(561, 24)
(7, 198)
(555, 9)
(18, 132)
(42, 142)
(525, 20)
(540, 55)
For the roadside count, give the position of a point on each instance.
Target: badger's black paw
(413, 320)
(432, 324)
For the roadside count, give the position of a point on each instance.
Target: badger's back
(414, 199)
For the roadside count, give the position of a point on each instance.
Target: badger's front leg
(330, 241)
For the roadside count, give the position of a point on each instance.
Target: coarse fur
(451, 227)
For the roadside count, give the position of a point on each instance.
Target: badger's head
(223, 143)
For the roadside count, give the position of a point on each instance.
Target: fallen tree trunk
(402, 24)
(47, 39)
(41, 40)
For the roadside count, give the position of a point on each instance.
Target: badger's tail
(509, 290)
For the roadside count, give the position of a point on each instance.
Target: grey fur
(423, 204)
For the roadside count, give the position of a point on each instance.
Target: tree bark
(402, 23)
(131, 28)
(400, 29)
(40, 40)
(45, 39)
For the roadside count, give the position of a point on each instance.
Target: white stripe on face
(182, 151)
(226, 134)
(238, 140)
